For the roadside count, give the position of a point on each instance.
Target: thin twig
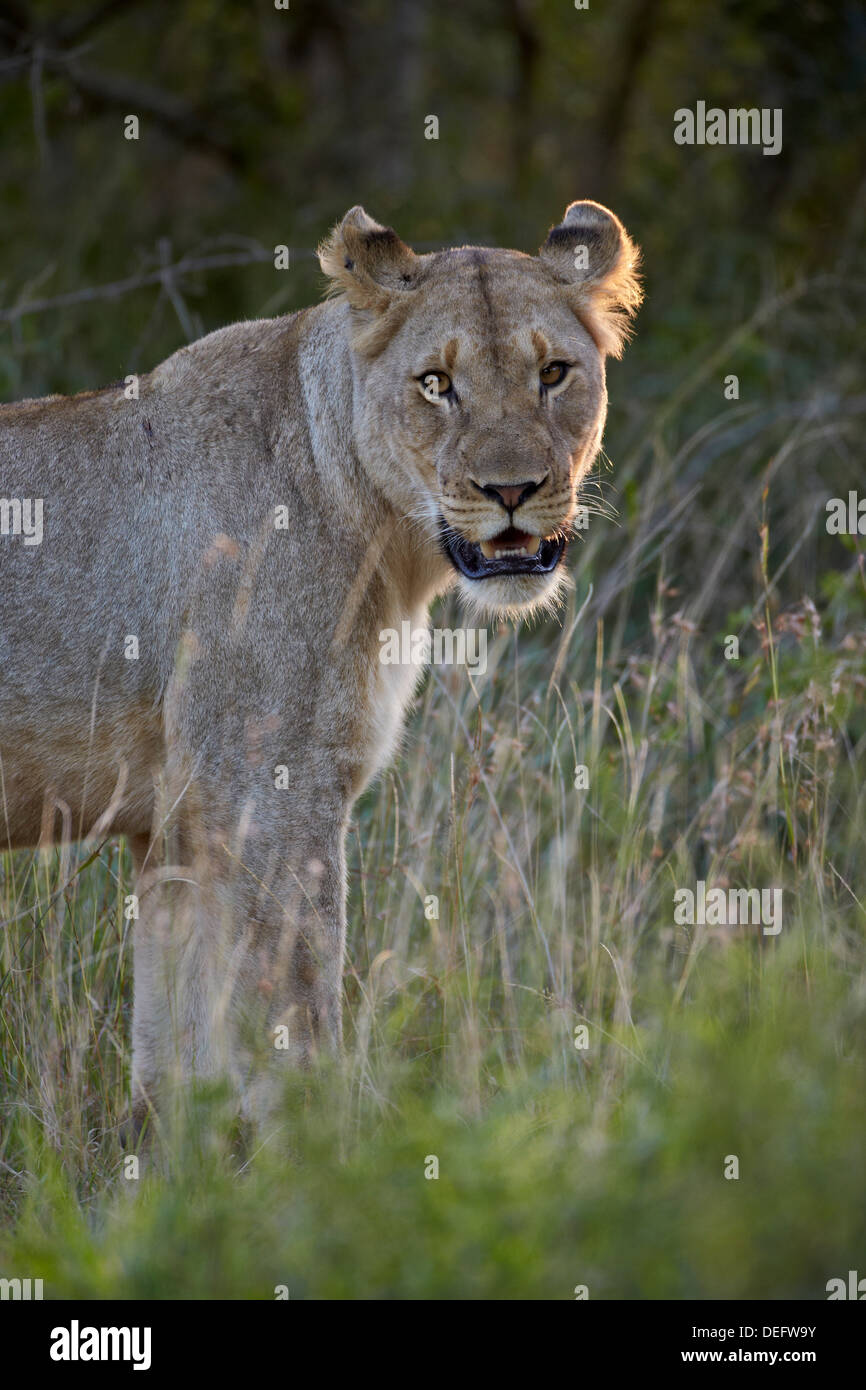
(116, 288)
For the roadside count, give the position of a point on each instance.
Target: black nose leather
(510, 494)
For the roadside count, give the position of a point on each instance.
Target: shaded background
(262, 126)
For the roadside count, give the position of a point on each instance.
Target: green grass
(559, 1166)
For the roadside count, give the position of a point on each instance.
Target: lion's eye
(553, 373)
(435, 385)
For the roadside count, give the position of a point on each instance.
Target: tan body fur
(258, 646)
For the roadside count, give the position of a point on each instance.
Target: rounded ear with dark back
(591, 254)
(367, 262)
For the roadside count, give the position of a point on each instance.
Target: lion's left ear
(591, 251)
(367, 262)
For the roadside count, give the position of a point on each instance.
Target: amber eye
(435, 385)
(553, 373)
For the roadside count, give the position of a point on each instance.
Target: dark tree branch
(599, 175)
(74, 30)
(51, 51)
(133, 98)
(521, 22)
(166, 275)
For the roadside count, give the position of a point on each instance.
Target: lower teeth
(489, 551)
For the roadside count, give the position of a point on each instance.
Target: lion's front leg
(286, 1002)
(176, 987)
(238, 953)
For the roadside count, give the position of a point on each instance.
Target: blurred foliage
(267, 124)
(559, 1165)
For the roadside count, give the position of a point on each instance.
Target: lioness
(190, 650)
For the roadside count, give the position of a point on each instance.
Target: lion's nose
(510, 494)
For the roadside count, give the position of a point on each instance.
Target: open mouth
(511, 552)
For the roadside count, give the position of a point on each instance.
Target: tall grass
(559, 1165)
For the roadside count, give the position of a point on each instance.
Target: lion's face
(498, 412)
(482, 393)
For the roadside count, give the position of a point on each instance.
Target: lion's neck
(396, 548)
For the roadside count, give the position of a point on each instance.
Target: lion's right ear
(367, 262)
(591, 252)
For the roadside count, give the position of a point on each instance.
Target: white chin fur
(513, 596)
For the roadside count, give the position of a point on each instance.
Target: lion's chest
(394, 675)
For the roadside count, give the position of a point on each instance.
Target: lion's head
(480, 387)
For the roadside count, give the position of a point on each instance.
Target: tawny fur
(258, 646)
